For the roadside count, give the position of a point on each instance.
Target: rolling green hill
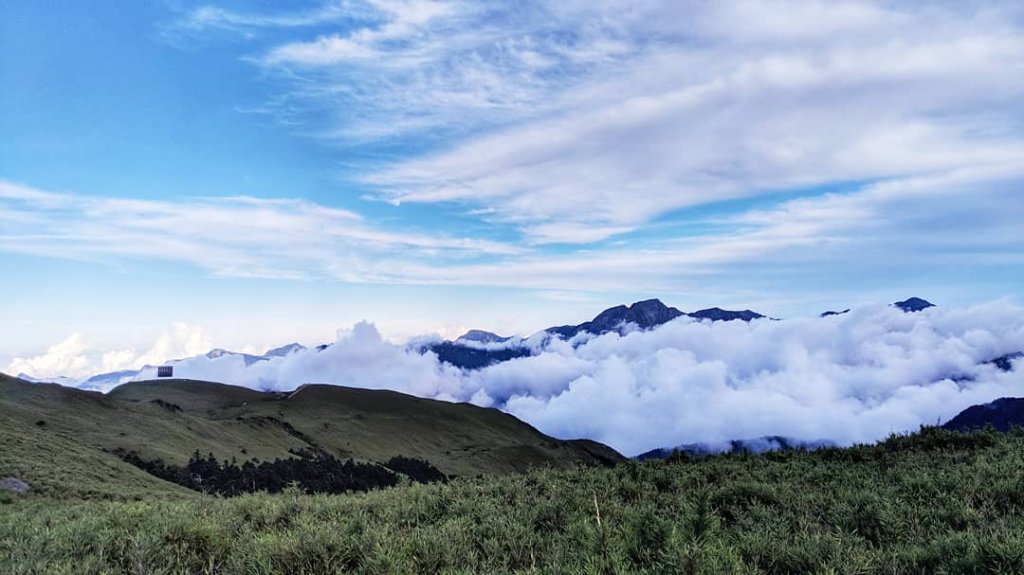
(61, 439)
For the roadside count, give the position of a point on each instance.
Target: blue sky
(243, 174)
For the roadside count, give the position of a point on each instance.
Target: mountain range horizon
(630, 355)
(643, 314)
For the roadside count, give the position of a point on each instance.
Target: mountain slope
(1002, 414)
(171, 419)
(40, 435)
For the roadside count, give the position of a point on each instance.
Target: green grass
(61, 467)
(935, 502)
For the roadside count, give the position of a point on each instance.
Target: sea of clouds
(849, 378)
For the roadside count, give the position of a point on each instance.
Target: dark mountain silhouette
(1005, 362)
(645, 314)
(754, 445)
(469, 357)
(464, 354)
(830, 312)
(913, 304)
(719, 314)
(1002, 414)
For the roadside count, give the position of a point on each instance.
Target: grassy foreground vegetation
(933, 502)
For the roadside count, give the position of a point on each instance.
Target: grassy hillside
(935, 502)
(61, 439)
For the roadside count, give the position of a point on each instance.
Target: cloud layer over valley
(847, 378)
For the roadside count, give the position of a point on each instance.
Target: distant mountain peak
(645, 314)
(249, 359)
(1002, 414)
(719, 314)
(285, 350)
(652, 312)
(481, 336)
(913, 304)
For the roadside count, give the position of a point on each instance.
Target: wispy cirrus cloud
(424, 66)
(611, 143)
(894, 222)
(402, 28)
(575, 123)
(214, 17)
(911, 224)
(233, 236)
(685, 127)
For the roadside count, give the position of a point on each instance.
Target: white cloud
(232, 236)
(581, 121)
(65, 358)
(72, 358)
(404, 21)
(183, 340)
(849, 378)
(214, 17)
(867, 228)
(600, 139)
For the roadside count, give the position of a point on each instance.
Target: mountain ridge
(169, 420)
(1002, 414)
(477, 349)
(645, 314)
